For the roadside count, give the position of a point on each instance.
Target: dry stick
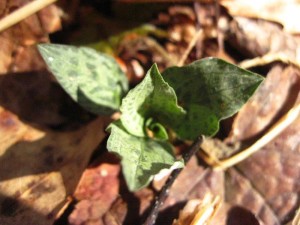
(296, 220)
(24, 12)
(282, 124)
(166, 188)
(219, 36)
(270, 57)
(193, 42)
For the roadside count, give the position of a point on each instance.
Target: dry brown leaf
(117, 213)
(265, 41)
(267, 183)
(275, 173)
(97, 190)
(274, 97)
(40, 168)
(285, 12)
(15, 40)
(240, 192)
(258, 37)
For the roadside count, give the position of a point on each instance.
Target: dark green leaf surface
(151, 101)
(92, 79)
(209, 90)
(142, 157)
(158, 131)
(152, 98)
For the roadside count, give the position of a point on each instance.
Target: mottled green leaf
(157, 130)
(152, 98)
(209, 90)
(142, 157)
(92, 79)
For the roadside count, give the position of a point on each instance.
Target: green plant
(189, 101)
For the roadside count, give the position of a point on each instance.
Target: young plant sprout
(208, 90)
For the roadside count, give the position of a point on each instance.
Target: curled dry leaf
(284, 12)
(258, 37)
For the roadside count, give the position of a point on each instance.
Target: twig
(23, 13)
(268, 58)
(193, 42)
(296, 219)
(166, 188)
(282, 124)
(219, 35)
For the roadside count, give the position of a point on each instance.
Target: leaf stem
(268, 58)
(160, 199)
(278, 128)
(199, 35)
(24, 12)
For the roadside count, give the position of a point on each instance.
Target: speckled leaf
(142, 157)
(209, 90)
(152, 98)
(156, 129)
(92, 79)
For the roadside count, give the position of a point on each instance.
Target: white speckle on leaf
(50, 59)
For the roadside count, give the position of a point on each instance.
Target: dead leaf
(240, 192)
(274, 172)
(40, 168)
(117, 213)
(258, 37)
(97, 190)
(274, 97)
(284, 12)
(267, 183)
